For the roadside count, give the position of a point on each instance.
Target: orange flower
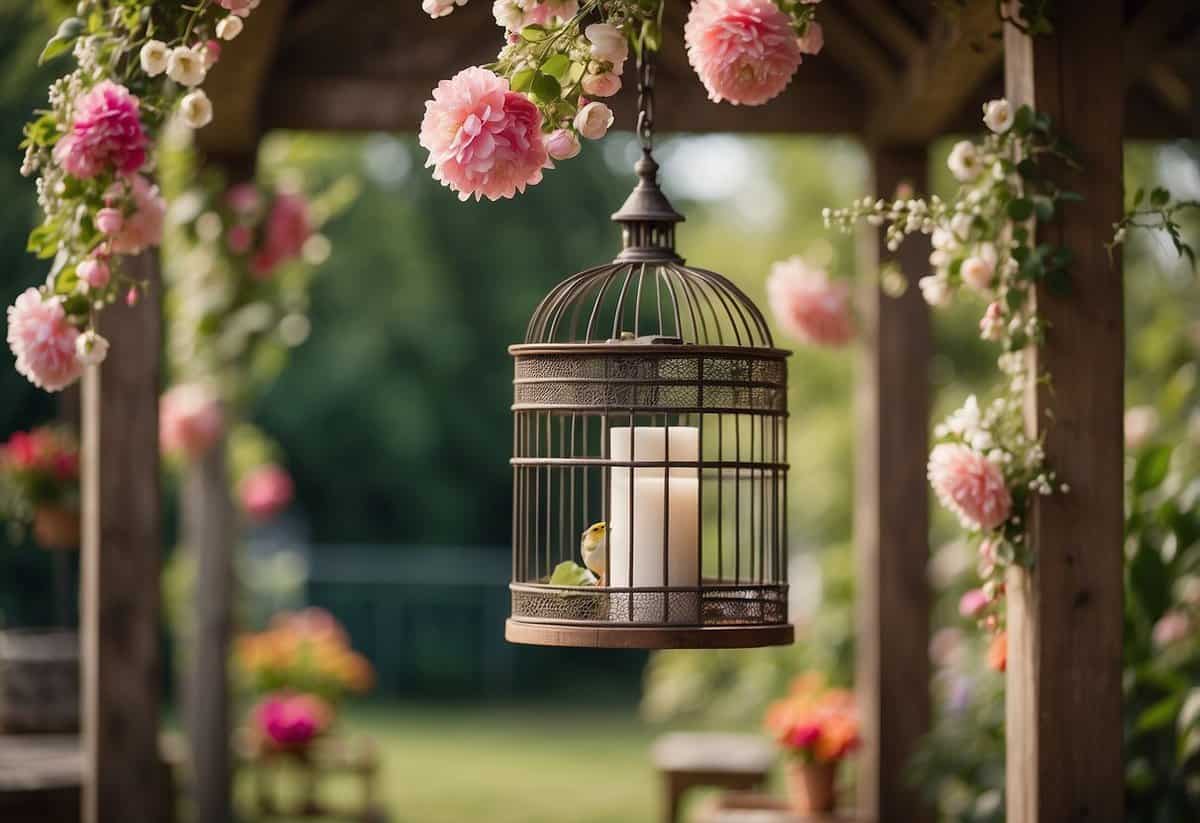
(815, 722)
(997, 655)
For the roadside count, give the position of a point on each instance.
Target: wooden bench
(358, 757)
(748, 807)
(40, 777)
(728, 761)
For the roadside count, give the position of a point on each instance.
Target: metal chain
(645, 119)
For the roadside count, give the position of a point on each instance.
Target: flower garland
(985, 467)
(138, 63)
(490, 131)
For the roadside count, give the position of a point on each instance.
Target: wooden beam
(959, 55)
(1065, 616)
(237, 83)
(891, 527)
(209, 535)
(856, 52)
(889, 24)
(125, 780)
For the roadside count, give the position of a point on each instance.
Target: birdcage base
(648, 637)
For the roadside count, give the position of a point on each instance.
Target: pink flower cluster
(190, 420)
(265, 492)
(43, 340)
(287, 229)
(142, 228)
(745, 51)
(285, 720)
(483, 139)
(970, 485)
(105, 134)
(808, 305)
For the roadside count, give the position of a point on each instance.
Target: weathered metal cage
(649, 396)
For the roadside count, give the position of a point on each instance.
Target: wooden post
(891, 511)
(1065, 617)
(125, 781)
(209, 534)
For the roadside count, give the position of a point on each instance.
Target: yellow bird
(591, 547)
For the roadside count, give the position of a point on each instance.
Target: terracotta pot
(811, 787)
(56, 527)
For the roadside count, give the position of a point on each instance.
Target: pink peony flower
(190, 420)
(483, 139)
(745, 51)
(43, 340)
(972, 603)
(285, 720)
(142, 229)
(265, 492)
(1171, 628)
(288, 226)
(106, 133)
(970, 485)
(808, 305)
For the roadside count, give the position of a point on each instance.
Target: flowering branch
(985, 466)
(138, 64)
(1159, 215)
(492, 130)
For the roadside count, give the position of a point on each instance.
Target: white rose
(593, 120)
(998, 115)
(942, 239)
(961, 224)
(608, 42)
(90, 348)
(186, 66)
(196, 109)
(508, 15)
(229, 27)
(977, 273)
(934, 290)
(601, 85)
(964, 161)
(153, 57)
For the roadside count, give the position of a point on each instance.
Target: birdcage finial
(647, 218)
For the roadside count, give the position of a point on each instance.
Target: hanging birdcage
(649, 451)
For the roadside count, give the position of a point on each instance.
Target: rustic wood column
(891, 525)
(1065, 617)
(125, 781)
(209, 533)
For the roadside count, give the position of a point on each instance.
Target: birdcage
(649, 450)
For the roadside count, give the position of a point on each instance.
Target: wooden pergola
(896, 75)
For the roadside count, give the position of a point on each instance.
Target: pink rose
(105, 134)
(109, 220)
(43, 340)
(190, 420)
(808, 305)
(972, 603)
(142, 229)
(602, 85)
(265, 492)
(212, 53)
(970, 485)
(285, 720)
(241, 8)
(288, 226)
(744, 51)
(244, 198)
(562, 144)
(239, 239)
(813, 40)
(93, 272)
(483, 139)
(991, 325)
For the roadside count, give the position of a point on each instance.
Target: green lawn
(547, 763)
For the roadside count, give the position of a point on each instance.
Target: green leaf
(43, 241)
(1028, 168)
(1015, 298)
(1024, 119)
(1158, 716)
(1159, 197)
(521, 80)
(1152, 467)
(534, 34)
(1020, 209)
(545, 88)
(63, 39)
(556, 66)
(569, 573)
(1138, 197)
(1044, 208)
(1150, 582)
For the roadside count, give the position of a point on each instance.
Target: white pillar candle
(657, 503)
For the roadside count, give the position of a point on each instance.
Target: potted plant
(818, 728)
(39, 495)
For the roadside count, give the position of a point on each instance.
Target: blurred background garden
(390, 416)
